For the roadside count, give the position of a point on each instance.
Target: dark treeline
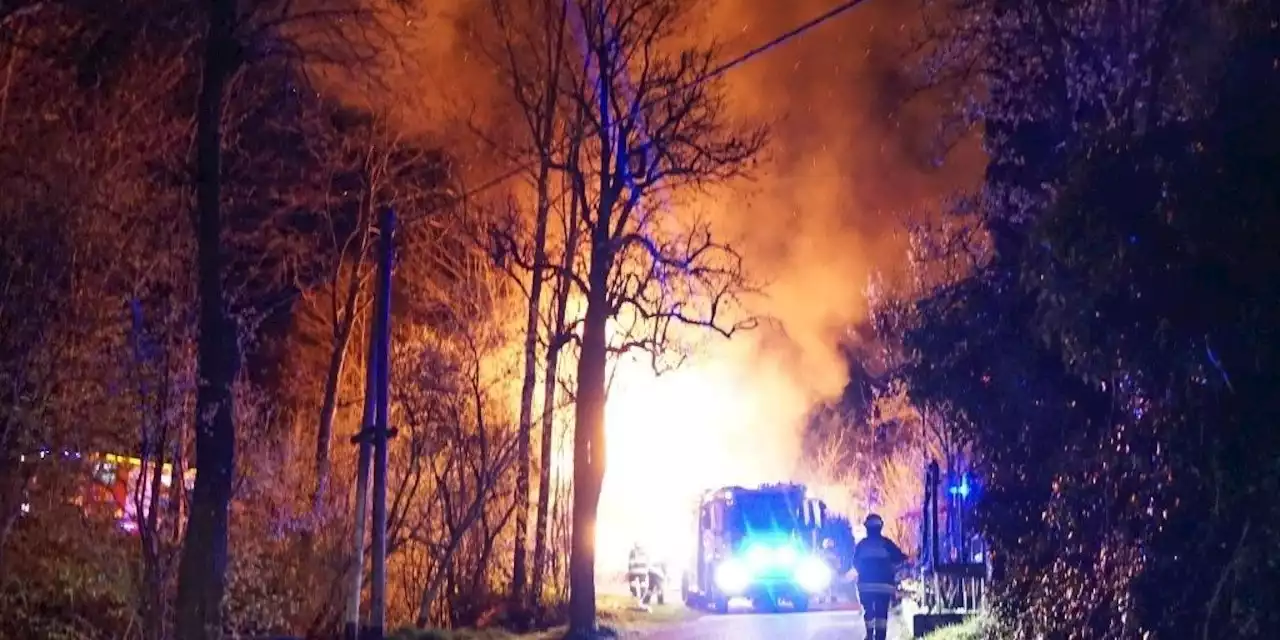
(1098, 321)
(104, 333)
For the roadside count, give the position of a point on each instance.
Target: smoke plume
(848, 155)
(820, 216)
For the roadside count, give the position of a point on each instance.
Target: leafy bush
(62, 583)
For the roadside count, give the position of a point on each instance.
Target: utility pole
(373, 437)
(382, 431)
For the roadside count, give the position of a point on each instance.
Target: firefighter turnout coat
(637, 563)
(877, 560)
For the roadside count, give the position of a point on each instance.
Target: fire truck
(761, 544)
(111, 482)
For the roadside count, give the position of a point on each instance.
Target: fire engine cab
(761, 544)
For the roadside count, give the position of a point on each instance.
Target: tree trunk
(588, 430)
(151, 537)
(432, 590)
(523, 462)
(202, 571)
(329, 405)
(475, 512)
(154, 436)
(543, 136)
(173, 520)
(344, 318)
(588, 435)
(554, 346)
(544, 474)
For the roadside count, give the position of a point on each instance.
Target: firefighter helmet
(874, 522)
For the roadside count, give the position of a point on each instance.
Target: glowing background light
(732, 577)
(713, 422)
(809, 225)
(759, 556)
(813, 575)
(786, 556)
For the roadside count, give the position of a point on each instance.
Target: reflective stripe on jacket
(637, 563)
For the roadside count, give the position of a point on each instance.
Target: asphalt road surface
(815, 625)
(745, 625)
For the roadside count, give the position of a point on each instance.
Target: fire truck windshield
(762, 512)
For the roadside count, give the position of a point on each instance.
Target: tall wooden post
(382, 431)
(373, 437)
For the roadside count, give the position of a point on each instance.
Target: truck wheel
(720, 603)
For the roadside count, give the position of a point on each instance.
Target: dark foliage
(1115, 363)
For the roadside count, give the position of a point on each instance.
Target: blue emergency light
(963, 489)
(765, 560)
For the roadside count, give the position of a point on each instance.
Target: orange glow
(816, 220)
(719, 420)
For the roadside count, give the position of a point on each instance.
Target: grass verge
(974, 628)
(621, 613)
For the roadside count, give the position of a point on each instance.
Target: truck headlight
(786, 556)
(760, 557)
(813, 575)
(732, 577)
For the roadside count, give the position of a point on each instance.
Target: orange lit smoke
(818, 218)
(813, 225)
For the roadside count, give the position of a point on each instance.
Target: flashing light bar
(963, 489)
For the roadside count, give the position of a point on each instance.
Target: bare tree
(163, 380)
(532, 54)
(343, 296)
(202, 572)
(370, 167)
(557, 339)
(655, 123)
(111, 212)
(469, 455)
(460, 446)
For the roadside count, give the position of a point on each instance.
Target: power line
(710, 75)
(830, 14)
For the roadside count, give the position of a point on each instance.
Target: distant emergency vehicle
(112, 482)
(763, 544)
